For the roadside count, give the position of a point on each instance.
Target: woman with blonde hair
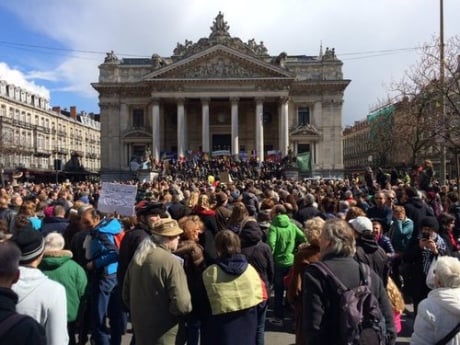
(194, 264)
(306, 254)
(397, 303)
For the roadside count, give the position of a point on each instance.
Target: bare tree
(419, 122)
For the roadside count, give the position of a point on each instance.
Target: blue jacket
(103, 251)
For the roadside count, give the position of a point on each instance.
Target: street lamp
(442, 81)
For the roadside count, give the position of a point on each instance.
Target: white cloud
(16, 77)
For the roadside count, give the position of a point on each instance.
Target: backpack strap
(364, 274)
(326, 271)
(7, 323)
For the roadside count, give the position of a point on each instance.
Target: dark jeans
(106, 301)
(280, 273)
(261, 314)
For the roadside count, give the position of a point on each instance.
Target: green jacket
(283, 238)
(59, 266)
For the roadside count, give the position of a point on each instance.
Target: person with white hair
(439, 314)
(57, 264)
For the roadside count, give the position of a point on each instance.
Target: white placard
(117, 197)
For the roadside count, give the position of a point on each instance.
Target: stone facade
(221, 93)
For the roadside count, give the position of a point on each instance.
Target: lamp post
(443, 103)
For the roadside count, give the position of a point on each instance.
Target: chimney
(57, 109)
(73, 112)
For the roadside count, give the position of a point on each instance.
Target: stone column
(180, 128)
(235, 135)
(205, 124)
(284, 127)
(259, 129)
(124, 125)
(156, 130)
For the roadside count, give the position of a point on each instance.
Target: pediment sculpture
(219, 35)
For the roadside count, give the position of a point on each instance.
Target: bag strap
(449, 335)
(364, 274)
(326, 271)
(7, 323)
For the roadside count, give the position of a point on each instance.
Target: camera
(425, 235)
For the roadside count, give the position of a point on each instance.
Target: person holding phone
(429, 246)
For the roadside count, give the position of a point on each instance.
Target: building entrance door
(221, 142)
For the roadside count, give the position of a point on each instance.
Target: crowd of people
(199, 259)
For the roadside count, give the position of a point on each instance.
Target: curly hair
(395, 296)
(313, 228)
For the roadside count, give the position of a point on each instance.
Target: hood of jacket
(369, 245)
(250, 234)
(109, 226)
(54, 259)
(234, 265)
(416, 202)
(281, 221)
(30, 280)
(448, 299)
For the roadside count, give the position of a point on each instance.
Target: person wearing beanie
(57, 264)
(38, 296)
(429, 246)
(22, 330)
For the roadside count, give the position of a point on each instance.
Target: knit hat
(361, 224)
(30, 242)
(430, 222)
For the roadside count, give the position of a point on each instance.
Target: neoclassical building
(221, 93)
(35, 140)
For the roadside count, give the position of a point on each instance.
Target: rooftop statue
(111, 57)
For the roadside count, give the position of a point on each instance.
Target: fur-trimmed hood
(53, 259)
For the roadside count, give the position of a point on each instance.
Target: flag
(304, 161)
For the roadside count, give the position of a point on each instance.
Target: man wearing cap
(39, 296)
(155, 287)
(368, 250)
(148, 213)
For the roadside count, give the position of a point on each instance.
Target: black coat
(128, 247)
(321, 301)
(416, 209)
(27, 331)
(369, 252)
(258, 253)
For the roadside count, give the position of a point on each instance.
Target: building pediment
(305, 132)
(219, 62)
(135, 134)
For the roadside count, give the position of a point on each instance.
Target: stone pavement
(285, 334)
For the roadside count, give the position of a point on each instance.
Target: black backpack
(360, 317)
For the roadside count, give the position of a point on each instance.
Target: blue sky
(54, 47)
